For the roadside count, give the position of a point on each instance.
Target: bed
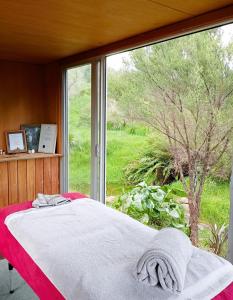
(42, 281)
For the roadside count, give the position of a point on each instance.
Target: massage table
(15, 254)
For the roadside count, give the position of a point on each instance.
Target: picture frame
(32, 132)
(16, 142)
(48, 138)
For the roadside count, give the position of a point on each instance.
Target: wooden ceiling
(47, 30)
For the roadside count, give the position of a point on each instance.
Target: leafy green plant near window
(155, 206)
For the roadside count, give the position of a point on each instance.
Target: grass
(215, 202)
(80, 162)
(122, 147)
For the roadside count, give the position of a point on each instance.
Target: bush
(155, 166)
(137, 130)
(116, 125)
(153, 205)
(72, 141)
(218, 238)
(222, 170)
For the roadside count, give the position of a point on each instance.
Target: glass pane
(169, 135)
(79, 122)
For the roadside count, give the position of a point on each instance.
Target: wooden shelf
(26, 156)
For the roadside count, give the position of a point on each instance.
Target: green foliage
(122, 147)
(215, 204)
(123, 93)
(80, 162)
(195, 71)
(153, 205)
(218, 238)
(155, 165)
(72, 141)
(137, 129)
(116, 125)
(222, 170)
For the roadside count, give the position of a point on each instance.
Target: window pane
(79, 120)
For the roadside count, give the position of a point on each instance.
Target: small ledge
(26, 156)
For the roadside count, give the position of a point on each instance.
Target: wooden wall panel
(39, 176)
(29, 94)
(55, 175)
(13, 181)
(53, 92)
(47, 176)
(22, 180)
(31, 179)
(22, 96)
(3, 184)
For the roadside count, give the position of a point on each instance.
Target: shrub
(155, 165)
(137, 130)
(116, 125)
(218, 238)
(72, 141)
(222, 170)
(153, 205)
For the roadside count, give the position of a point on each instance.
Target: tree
(125, 90)
(188, 97)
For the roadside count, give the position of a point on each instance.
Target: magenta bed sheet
(27, 268)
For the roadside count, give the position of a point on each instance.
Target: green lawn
(122, 147)
(80, 161)
(215, 202)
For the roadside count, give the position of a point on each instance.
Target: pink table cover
(27, 268)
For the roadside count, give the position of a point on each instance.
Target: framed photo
(16, 141)
(48, 138)
(32, 132)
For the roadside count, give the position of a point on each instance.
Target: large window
(168, 129)
(169, 134)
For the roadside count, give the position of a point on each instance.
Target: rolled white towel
(165, 262)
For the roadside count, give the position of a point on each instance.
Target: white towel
(88, 251)
(165, 262)
(43, 200)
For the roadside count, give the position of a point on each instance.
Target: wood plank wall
(22, 96)
(21, 180)
(29, 94)
(53, 93)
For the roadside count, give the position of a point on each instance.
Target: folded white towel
(43, 200)
(165, 262)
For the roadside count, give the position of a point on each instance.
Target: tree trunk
(193, 220)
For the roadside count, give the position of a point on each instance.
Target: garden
(169, 136)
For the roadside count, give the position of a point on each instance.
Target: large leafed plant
(153, 205)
